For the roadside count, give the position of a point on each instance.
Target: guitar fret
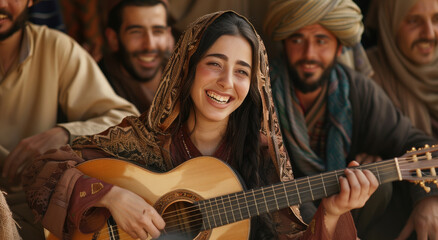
(213, 214)
(240, 209)
(298, 192)
(378, 175)
(225, 210)
(231, 208)
(247, 205)
(203, 213)
(323, 184)
(255, 202)
(218, 214)
(265, 200)
(207, 212)
(285, 194)
(112, 228)
(275, 197)
(310, 188)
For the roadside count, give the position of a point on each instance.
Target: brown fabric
(345, 229)
(8, 228)
(146, 140)
(86, 193)
(411, 87)
(49, 183)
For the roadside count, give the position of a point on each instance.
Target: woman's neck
(206, 135)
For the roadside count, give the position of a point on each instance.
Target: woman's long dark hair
(242, 134)
(243, 130)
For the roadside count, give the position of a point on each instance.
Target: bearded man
(51, 90)
(330, 114)
(140, 41)
(405, 60)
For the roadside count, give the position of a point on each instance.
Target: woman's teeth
(218, 98)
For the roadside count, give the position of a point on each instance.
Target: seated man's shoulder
(48, 37)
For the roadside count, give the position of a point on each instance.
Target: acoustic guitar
(204, 199)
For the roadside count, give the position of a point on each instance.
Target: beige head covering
(412, 88)
(341, 17)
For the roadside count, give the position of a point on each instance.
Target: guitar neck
(242, 205)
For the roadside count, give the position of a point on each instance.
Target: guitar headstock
(418, 166)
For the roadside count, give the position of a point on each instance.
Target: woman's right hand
(132, 213)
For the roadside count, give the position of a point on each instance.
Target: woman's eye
(243, 72)
(214, 64)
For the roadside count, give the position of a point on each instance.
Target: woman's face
(222, 79)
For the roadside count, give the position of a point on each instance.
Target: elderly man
(51, 90)
(405, 59)
(140, 41)
(330, 114)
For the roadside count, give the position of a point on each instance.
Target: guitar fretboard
(234, 207)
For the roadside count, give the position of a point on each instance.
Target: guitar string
(270, 190)
(304, 181)
(214, 215)
(273, 191)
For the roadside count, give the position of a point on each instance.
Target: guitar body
(203, 198)
(197, 179)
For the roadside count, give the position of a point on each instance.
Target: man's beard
(124, 55)
(18, 24)
(300, 83)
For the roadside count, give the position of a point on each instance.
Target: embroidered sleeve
(345, 229)
(82, 214)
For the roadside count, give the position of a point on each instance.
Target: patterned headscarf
(412, 88)
(341, 17)
(154, 132)
(165, 107)
(146, 140)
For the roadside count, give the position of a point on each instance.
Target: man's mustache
(301, 62)
(136, 53)
(424, 40)
(4, 12)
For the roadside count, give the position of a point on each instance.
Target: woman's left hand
(356, 188)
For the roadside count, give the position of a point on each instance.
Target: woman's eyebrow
(224, 57)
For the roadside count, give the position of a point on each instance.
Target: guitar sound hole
(183, 221)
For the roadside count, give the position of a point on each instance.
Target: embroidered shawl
(145, 140)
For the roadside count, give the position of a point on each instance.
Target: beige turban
(341, 17)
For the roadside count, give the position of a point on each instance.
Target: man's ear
(112, 39)
(30, 3)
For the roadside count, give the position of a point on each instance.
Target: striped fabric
(341, 17)
(295, 123)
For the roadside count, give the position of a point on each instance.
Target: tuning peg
(426, 188)
(413, 149)
(436, 183)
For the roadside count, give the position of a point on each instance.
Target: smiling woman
(214, 100)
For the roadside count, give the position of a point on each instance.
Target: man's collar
(25, 45)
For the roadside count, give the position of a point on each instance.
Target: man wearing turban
(331, 114)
